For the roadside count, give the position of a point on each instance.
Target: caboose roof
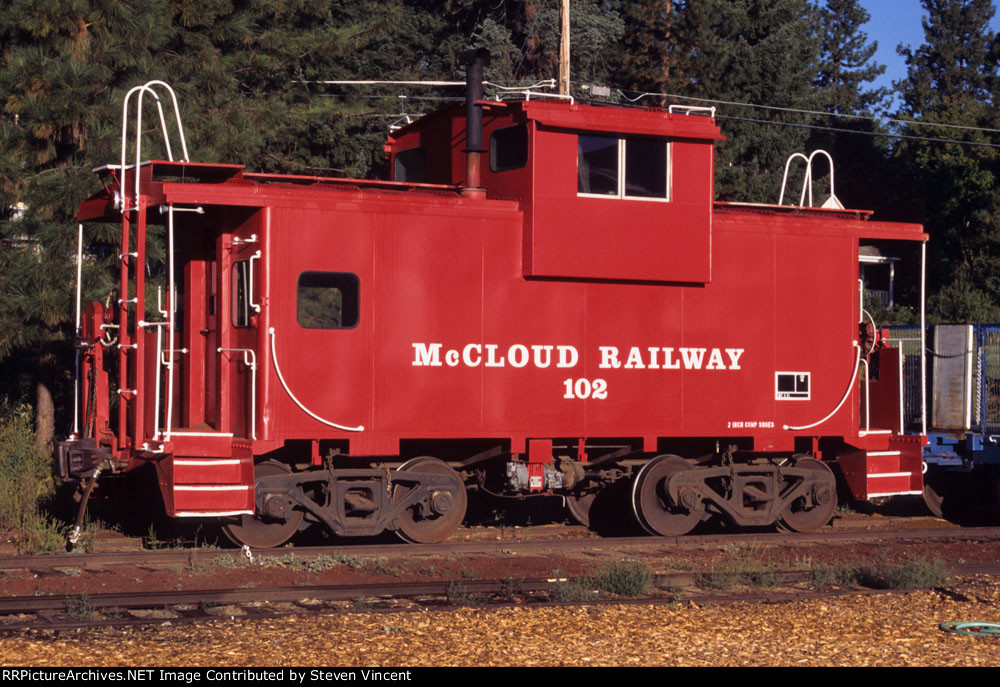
(559, 114)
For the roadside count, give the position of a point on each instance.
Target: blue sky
(893, 22)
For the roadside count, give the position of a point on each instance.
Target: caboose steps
(876, 474)
(195, 500)
(194, 486)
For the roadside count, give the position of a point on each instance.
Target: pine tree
(62, 64)
(764, 52)
(950, 80)
(646, 62)
(845, 71)
(524, 39)
(240, 71)
(847, 60)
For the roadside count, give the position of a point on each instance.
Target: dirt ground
(877, 630)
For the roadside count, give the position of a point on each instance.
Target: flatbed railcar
(544, 298)
(959, 412)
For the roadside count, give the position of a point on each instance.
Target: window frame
(527, 148)
(621, 148)
(240, 276)
(398, 164)
(355, 293)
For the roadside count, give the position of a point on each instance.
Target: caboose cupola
(608, 193)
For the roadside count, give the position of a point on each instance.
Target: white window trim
(621, 174)
(778, 394)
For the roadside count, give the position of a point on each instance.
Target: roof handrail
(149, 87)
(691, 109)
(832, 202)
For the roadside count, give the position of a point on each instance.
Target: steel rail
(71, 611)
(547, 545)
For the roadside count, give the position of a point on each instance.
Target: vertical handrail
(172, 309)
(142, 90)
(899, 359)
(255, 306)
(156, 398)
(250, 360)
(868, 424)
(923, 339)
(79, 296)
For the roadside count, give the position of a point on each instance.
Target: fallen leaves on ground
(878, 630)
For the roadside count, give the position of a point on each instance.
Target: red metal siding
(444, 281)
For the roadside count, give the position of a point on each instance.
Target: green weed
(380, 566)
(510, 589)
(881, 573)
(832, 575)
(26, 484)
(914, 573)
(458, 594)
(742, 566)
(574, 590)
(80, 608)
(229, 562)
(623, 578)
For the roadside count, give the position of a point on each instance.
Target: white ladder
(831, 203)
(148, 87)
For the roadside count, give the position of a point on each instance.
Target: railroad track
(165, 558)
(22, 613)
(59, 608)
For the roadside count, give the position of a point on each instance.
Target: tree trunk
(45, 412)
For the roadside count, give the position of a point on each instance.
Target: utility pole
(564, 49)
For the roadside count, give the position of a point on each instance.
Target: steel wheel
(579, 506)
(262, 531)
(433, 518)
(652, 505)
(814, 508)
(934, 491)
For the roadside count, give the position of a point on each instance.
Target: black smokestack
(474, 61)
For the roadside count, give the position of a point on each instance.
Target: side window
(240, 293)
(411, 165)
(646, 168)
(597, 165)
(328, 300)
(632, 167)
(509, 148)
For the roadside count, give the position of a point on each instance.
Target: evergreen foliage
(845, 71)
(754, 51)
(951, 79)
(647, 58)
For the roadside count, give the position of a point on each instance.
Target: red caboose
(571, 313)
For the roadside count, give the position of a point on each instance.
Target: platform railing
(907, 339)
(987, 387)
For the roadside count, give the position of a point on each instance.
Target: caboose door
(239, 317)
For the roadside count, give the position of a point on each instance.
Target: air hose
(975, 629)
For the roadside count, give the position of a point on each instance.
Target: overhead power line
(550, 83)
(816, 113)
(544, 83)
(860, 133)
